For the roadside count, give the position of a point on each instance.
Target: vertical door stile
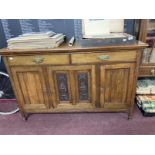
(72, 85)
(93, 81)
(102, 80)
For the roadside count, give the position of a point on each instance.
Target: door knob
(10, 58)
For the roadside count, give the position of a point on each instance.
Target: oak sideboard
(74, 79)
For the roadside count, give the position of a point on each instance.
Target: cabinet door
(30, 87)
(116, 85)
(72, 86)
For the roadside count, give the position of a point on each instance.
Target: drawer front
(147, 71)
(57, 59)
(99, 57)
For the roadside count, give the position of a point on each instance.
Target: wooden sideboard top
(64, 48)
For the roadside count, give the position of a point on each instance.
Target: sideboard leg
(24, 116)
(129, 116)
(130, 113)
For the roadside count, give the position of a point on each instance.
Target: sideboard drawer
(147, 71)
(99, 57)
(54, 59)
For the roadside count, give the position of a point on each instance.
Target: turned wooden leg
(130, 113)
(25, 116)
(129, 116)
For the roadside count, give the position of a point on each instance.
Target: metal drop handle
(103, 57)
(37, 59)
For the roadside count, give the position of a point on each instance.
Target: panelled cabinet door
(30, 87)
(72, 86)
(116, 85)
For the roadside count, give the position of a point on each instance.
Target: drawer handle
(152, 71)
(37, 59)
(10, 58)
(103, 57)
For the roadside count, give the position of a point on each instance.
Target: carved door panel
(31, 87)
(72, 86)
(116, 85)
